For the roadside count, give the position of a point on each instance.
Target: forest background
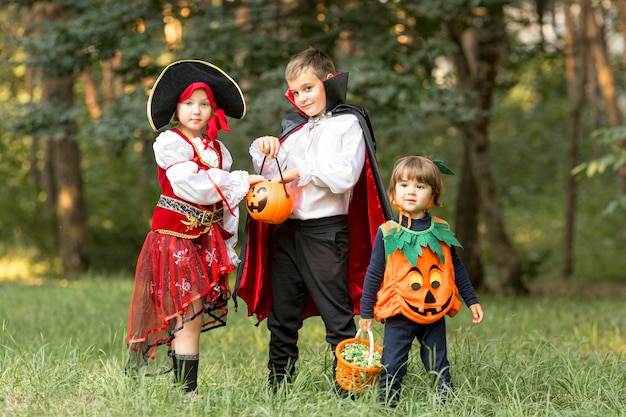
(523, 99)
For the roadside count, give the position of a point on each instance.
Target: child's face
(413, 196)
(309, 93)
(195, 112)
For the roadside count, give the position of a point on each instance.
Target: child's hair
(419, 169)
(310, 59)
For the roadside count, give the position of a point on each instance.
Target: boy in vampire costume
(302, 282)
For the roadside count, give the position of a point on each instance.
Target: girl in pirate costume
(181, 280)
(414, 278)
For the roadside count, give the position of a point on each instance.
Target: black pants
(309, 258)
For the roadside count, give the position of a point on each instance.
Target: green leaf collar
(411, 242)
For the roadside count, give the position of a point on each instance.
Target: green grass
(62, 353)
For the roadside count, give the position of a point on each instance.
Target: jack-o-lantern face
(269, 202)
(428, 290)
(257, 199)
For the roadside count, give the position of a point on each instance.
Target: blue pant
(399, 335)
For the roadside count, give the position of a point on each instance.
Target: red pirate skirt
(171, 273)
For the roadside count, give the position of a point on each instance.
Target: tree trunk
(91, 94)
(48, 180)
(621, 6)
(600, 59)
(68, 180)
(606, 81)
(575, 70)
(63, 155)
(467, 222)
(477, 64)
(112, 82)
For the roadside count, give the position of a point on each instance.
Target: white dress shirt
(330, 153)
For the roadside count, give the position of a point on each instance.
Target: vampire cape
(369, 208)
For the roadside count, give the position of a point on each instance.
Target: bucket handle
(280, 172)
(371, 337)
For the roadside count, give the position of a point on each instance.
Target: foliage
(21, 197)
(67, 357)
(614, 159)
(395, 51)
(527, 141)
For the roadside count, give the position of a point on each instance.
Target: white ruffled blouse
(201, 186)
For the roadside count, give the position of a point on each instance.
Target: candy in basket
(358, 363)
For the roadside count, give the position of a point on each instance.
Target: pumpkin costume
(413, 281)
(419, 274)
(310, 255)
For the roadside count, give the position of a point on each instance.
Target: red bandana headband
(218, 120)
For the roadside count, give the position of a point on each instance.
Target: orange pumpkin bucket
(269, 202)
(350, 375)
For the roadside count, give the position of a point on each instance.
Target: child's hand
(288, 175)
(477, 313)
(254, 178)
(269, 146)
(365, 325)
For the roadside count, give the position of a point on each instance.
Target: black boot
(186, 371)
(280, 378)
(172, 355)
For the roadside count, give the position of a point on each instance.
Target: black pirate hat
(177, 76)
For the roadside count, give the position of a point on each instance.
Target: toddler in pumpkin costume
(181, 280)
(414, 278)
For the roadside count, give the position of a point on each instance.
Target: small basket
(352, 377)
